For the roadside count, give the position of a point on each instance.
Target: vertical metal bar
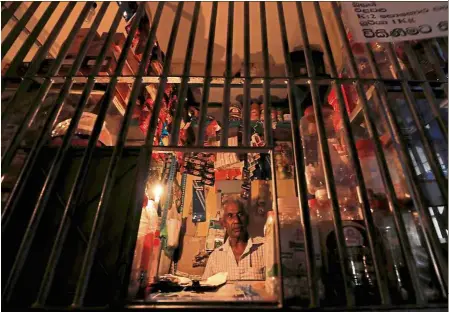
(368, 218)
(89, 257)
(381, 100)
(36, 62)
(75, 193)
(228, 77)
(430, 54)
(268, 134)
(9, 12)
(44, 196)
(207, 77)
(42, 52)
(434, 246)
(301, 183)
(386, 178)
(278, 223)
(40, 142)
(428, 147)
(411, 55)
(441, 50)
(25, 48)
(246, 139)
(174, 136)
(15, 32)
(158, 101)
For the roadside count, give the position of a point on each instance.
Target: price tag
(395, 21)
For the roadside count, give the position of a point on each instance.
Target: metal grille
(25, 90)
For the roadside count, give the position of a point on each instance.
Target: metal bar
(25, 48)
(311, 275)
(41, 55)
(268, 133)
(174, 136)
(430, 54)
(434, 247)
(43, 136)
(128, 242)
(38, 58)
(159, 97)
(228, 77)
(442, 51)
(9, 12)
(15, 32)
(207, 74)
(89, 257)
(301, 183)
(428, 147)
(43, 90)
(411, 55)
(75, 194)
(277, 231)
(363, 195)
(386, 178)
(246, 139)
(381, 99)
(44, 196)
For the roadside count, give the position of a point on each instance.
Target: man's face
(235, 220)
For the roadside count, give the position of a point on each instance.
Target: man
(241, 256)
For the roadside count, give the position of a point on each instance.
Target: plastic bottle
(368, 162)
(359, 266)
(271, 265)
(314, 164)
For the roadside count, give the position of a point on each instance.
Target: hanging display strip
(183, 191)
(168, 200)
(199, 202)
(382, 21)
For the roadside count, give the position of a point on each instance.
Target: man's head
(235, 219)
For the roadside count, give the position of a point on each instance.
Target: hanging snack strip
(201, 165)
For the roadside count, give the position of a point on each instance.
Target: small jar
(235, 111)
(255, 111)
(262, 112)
(280, 115)
(274, 115)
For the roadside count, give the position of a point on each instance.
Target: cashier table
(253, 291)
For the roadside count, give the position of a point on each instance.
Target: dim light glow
(157, 191)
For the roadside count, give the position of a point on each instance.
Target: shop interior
(181, 222)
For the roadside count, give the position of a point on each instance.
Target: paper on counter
(216, 280)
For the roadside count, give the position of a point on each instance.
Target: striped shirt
(250, 267)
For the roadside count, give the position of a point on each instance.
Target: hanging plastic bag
(174, 223)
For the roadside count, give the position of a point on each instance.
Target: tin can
(279, 115)
(235, 111)
(274, 115)
(255, 112)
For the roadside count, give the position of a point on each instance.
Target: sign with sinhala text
(395, 21)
